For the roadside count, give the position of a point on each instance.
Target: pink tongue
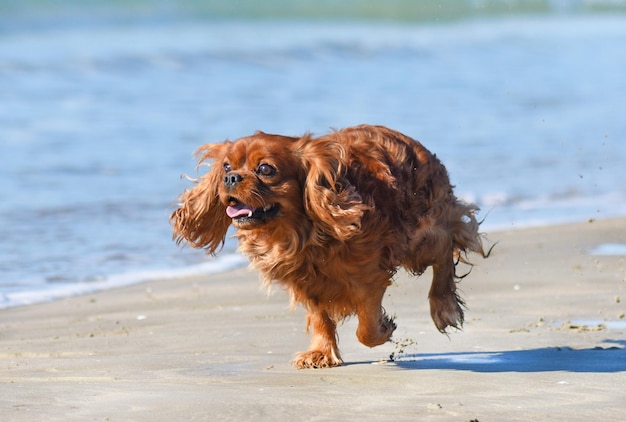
(238, 210)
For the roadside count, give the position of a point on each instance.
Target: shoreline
(225, 261)
(545, 337)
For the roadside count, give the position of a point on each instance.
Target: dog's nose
(231, 180)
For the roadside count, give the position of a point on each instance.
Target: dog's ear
(201, 220)
(331, 202)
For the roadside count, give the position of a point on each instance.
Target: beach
(104, 317)
(544, 339)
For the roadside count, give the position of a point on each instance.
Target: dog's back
(410, 190)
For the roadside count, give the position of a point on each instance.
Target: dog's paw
(388, 325)
(447, 311)
(381, 334)
(315, 359)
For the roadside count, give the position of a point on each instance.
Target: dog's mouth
(242, 213)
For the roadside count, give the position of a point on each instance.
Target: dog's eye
(266, 170)
(227, 167)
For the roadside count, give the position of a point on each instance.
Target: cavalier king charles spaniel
(331, 219)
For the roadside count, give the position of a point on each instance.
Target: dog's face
(269, 183)
(261, 180)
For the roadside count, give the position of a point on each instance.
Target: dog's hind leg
(323, 351)
(435, 248)
(446, 307)
(451, 245)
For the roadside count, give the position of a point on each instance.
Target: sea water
(100, 117)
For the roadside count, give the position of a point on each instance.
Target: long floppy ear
(201, 220)
(332, 203)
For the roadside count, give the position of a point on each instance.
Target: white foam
(46, 292)
(511, 212)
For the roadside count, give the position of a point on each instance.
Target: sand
(544, 339)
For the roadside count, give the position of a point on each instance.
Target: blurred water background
(102, 104)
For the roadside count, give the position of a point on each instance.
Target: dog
(332, 218)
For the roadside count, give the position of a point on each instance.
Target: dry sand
(545, 339)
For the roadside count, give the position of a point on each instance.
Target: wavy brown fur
(354, 205)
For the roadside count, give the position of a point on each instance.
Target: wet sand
(544, 339)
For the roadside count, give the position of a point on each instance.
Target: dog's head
(269, 183)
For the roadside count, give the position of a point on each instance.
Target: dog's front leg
(323, 351)
(375, 326)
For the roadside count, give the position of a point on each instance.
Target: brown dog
(331, 219)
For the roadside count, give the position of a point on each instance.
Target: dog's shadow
(610, 357)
